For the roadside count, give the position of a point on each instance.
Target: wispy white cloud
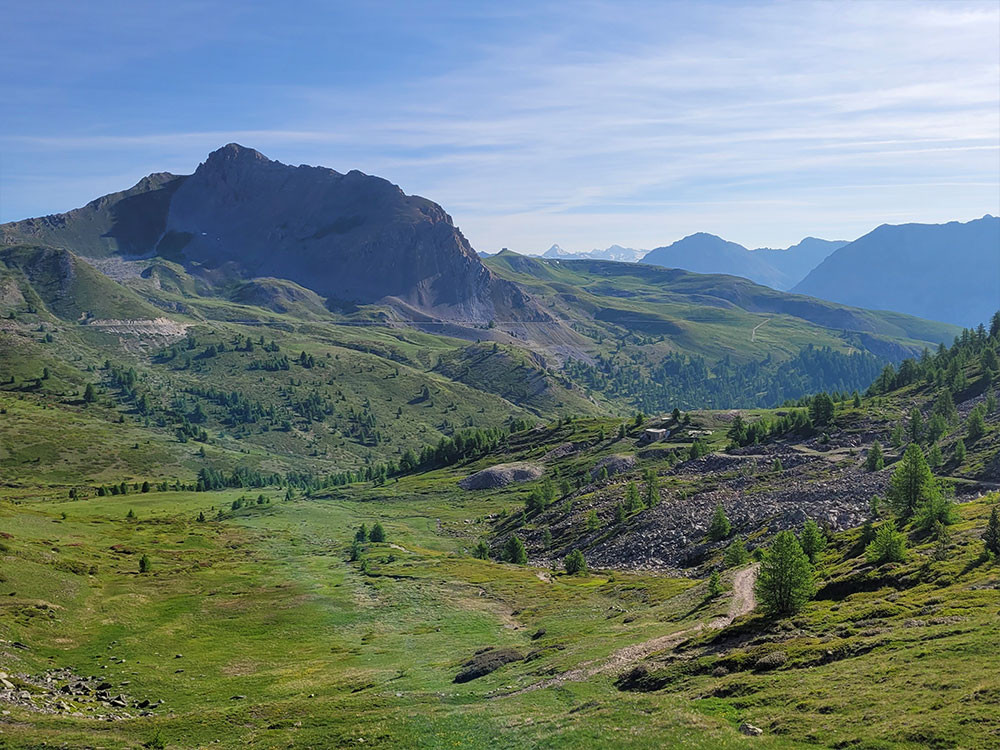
(766, 122)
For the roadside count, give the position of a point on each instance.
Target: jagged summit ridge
(350, 237)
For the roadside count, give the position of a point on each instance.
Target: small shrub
(888, 545)
(772, 660)
(575, 563)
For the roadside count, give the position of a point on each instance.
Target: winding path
(743, 601)
(753, 333)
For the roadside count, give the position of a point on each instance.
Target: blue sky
(584, 123)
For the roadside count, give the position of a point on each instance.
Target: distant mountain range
(948, 272)
(777, 268)
(310, 238)
(615, 252)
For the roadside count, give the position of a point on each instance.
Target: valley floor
(253, 629)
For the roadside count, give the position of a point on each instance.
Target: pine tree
(575, 563)
(361, 535)
(991, 402)
(514, 551)
(916, 429)
(867, 533)
(714, 585)
(89, 394)
(991, 537)
(652, 488)
(719, 528)
(201, 516)
(482, 550)
(875, 506)
(777, 467)
(960, 452)
(593, 522)
(976, 426)
(785, 582)
(936, 508)
(888, 545)
(857, 400)
(876, 458)
(378, 533)
(912, 482)
(355, 553)
(896, 436)
(813, 541)
(620, 514)
(144, 564)
(738, 431)
(736, 553)
(131, 514)
(632, 500)
(821, 409)
(697, 450)
(934, 458)
(145, 487)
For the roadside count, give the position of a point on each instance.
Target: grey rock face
(350, 237)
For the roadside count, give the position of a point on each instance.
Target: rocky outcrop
(500, 476)
(485, 661)
(613, 465)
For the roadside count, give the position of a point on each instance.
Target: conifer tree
(896, 436)
(144, 564)
(620, 514)
(575, 563)
(632, 500)
(736, 553)
(976, 425)
(482, 550)
(821, 409)
(377, 533)
(916, 429)
(89, 394)
(785, 581)
(912, 483)
(888, 545)
(719, 528)
(876, 459)
(652, 488)
(813, 540)
(991, 537)
(960, 452)
(714, 585)
(514, 551)
(361, 535)
(934, 458)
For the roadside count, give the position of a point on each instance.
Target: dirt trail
(753, 333)
(743, 601)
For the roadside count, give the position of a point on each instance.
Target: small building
(654, 435)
